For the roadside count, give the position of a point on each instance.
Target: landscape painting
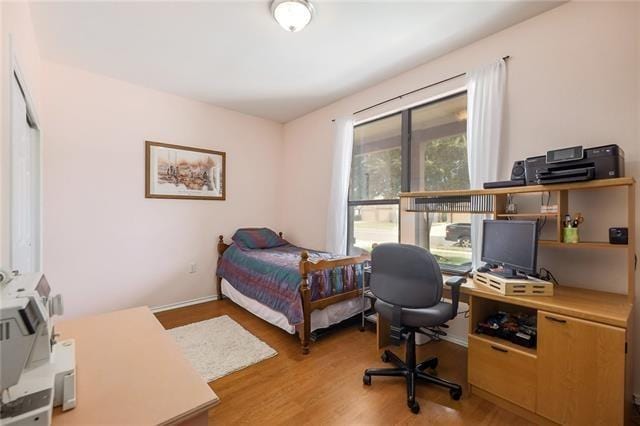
(174, 171)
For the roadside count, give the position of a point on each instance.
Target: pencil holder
(570, 235)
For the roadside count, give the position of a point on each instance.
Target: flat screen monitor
(513, 244)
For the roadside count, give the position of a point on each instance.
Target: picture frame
(184, 172)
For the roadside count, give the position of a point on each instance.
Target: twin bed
(296, 289)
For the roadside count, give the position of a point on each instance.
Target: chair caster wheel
(414, 407)
(384, 357)
(366, 379)
(361, 328)
(455, 394)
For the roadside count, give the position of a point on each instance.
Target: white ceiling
(233, 54)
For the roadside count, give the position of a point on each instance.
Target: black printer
(575, 164)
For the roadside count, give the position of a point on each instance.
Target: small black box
(619, 235)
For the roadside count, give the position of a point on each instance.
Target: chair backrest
(405, 275)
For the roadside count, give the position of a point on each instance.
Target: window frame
(405, 160)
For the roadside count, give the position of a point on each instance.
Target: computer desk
(580, 371)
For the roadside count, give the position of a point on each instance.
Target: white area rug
(220, 346)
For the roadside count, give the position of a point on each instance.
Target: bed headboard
(222, 246)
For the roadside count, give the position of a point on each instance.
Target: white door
(25, 186)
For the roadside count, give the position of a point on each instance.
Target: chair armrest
(455, 283)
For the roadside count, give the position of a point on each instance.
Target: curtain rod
(414, 91)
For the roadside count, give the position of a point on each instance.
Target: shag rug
(219, 346)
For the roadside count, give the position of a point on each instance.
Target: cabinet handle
(496, 348)
(561, 321)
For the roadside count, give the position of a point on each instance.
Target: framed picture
(174, 171)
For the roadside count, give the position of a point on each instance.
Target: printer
(38, 372)
(575, 164)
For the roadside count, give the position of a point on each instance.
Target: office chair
(407, 282)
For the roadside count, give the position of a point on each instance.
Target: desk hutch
(580, 370)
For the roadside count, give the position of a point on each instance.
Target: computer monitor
(512, 244)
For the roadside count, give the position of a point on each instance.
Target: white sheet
(320, 318)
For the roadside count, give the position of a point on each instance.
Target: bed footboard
(306, 267)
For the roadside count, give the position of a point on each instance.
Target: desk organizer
(570, 235)
(515, 287)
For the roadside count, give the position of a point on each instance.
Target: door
(25, 185)
(581, 368)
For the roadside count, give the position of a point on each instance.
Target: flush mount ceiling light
(292, 15)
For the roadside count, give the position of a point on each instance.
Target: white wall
(17, 33)
(106, 246)
(568, 82)
(573, 79)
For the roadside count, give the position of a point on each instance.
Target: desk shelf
(573, 186)
(582, 245)
(525, 215)
(492, 340)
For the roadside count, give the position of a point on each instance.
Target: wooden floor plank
(325, 387)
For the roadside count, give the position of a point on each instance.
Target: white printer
(37, 373)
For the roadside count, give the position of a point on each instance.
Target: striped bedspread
(272, 277)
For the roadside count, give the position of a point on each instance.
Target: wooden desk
(599, 306)
(130, 371)
(579, 373)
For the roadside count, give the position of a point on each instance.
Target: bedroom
(103, 78)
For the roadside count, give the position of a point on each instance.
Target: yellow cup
(570, 235)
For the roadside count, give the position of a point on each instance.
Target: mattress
(320, 318)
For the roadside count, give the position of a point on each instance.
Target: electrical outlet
(636, 399)
(193, 268)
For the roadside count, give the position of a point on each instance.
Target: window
(418, 149)
(439, 146)
(439, 162)
(376, 174)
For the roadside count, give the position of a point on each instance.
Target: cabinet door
(503, 371)
(580, 371)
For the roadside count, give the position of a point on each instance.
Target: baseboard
(456, 340)
(177, 305)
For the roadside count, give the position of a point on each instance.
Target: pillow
(257, 238)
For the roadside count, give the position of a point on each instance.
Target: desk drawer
(503, 370)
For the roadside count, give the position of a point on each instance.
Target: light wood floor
(325, 387)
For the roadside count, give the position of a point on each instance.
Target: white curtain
(336, 241)
(485, 99)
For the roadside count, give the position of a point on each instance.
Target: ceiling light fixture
(292, 15)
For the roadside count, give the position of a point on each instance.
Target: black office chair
(407, 282)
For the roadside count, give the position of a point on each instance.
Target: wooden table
(130, 371)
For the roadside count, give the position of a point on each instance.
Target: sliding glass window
(418, 149)
(376, 173)
(438, 162)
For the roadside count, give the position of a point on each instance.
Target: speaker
(517, 171)
(619, 235)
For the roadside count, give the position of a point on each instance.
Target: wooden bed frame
(307, 267)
